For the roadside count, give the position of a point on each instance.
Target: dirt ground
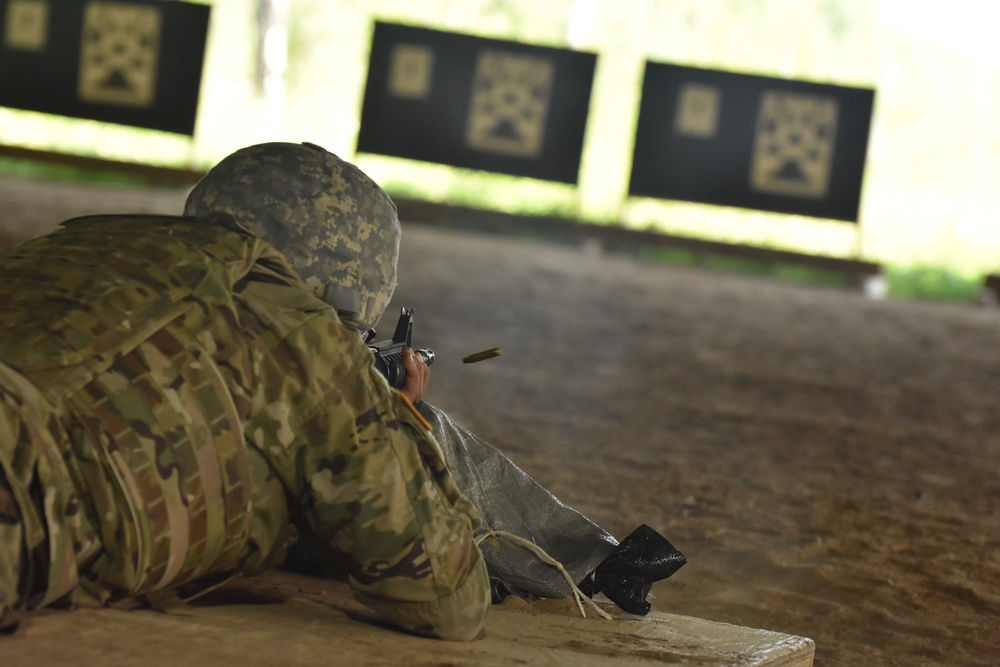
(827, 463)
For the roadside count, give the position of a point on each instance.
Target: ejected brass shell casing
(481, 356)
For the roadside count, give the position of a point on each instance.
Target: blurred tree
(272, 47)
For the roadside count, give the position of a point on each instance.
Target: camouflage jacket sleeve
(362, 465)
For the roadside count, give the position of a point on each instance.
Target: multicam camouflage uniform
(173, 391)
(169, 387)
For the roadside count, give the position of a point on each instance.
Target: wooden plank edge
(859, 273)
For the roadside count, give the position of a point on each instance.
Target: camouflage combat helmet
(334, 224)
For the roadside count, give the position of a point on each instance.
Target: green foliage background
(929, 209)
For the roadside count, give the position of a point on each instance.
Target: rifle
(388, 354)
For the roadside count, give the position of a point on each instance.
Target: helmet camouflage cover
(334, 224)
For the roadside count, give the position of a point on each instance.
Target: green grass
(927, 283)
(932, 283)
(57, 172)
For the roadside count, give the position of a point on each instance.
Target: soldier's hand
(418, 376)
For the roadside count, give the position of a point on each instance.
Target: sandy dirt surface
(827, 463)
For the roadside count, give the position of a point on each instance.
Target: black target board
(478, 103)
(751, 141)
(131, 62)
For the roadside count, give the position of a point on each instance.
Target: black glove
(626, 576)
(498, 590)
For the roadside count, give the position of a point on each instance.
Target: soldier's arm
(369, 477)
(434, 579)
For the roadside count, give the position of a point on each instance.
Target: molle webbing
(181, 496)
(124, 324)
